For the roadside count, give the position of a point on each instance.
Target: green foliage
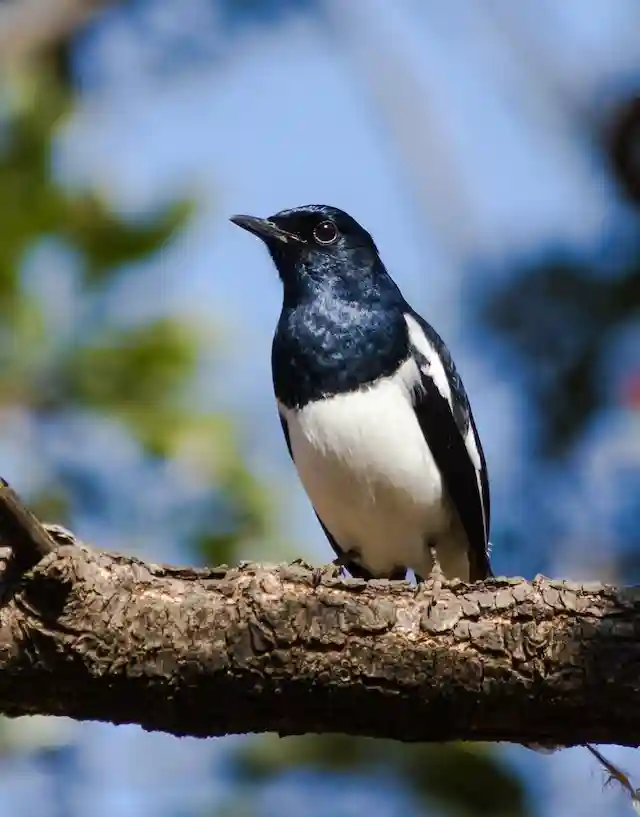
(106, 243)
(139, 376)
(461, 779)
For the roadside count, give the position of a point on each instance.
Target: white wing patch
(436, 370)
(472, 449)
(471, 445)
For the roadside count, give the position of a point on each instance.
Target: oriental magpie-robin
(374, 413)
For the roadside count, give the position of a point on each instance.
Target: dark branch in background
(30, 27)
(622, 147)
(19, 528)
(204, 652)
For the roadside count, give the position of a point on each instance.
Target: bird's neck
(323, 278)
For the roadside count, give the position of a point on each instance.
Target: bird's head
(317, 246)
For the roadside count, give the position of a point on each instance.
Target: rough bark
(101, 636)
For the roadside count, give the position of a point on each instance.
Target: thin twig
(616, 774)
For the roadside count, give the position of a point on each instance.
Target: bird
(374, 413)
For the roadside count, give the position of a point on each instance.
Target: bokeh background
(494, 152)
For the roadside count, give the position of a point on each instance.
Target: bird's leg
(433, 583)
(345, 558)
(339, 562)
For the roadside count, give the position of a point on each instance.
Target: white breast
(370, 476)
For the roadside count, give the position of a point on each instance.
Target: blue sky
(342, 110)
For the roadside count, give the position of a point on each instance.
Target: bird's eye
(326, 232)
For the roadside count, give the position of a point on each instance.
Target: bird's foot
(431, 586)
(338, 568)
(334, 570)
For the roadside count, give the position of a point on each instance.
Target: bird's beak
(263, 228)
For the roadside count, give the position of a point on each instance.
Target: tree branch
(29, 541)
(208, 652)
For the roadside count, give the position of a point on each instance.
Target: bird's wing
(356, 570)
(444, 414)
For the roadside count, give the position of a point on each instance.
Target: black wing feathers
(445, 429)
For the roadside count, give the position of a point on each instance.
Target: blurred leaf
(270, 755)
(141, 375)
(558, 317)
(51, 505)
(134, 371)
(465, 780)
(108, 243)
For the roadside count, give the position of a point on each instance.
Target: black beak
(264, 229)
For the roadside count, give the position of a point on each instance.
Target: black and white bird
(375, 415)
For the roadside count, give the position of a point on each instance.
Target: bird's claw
(333, 570)
(431, 586)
